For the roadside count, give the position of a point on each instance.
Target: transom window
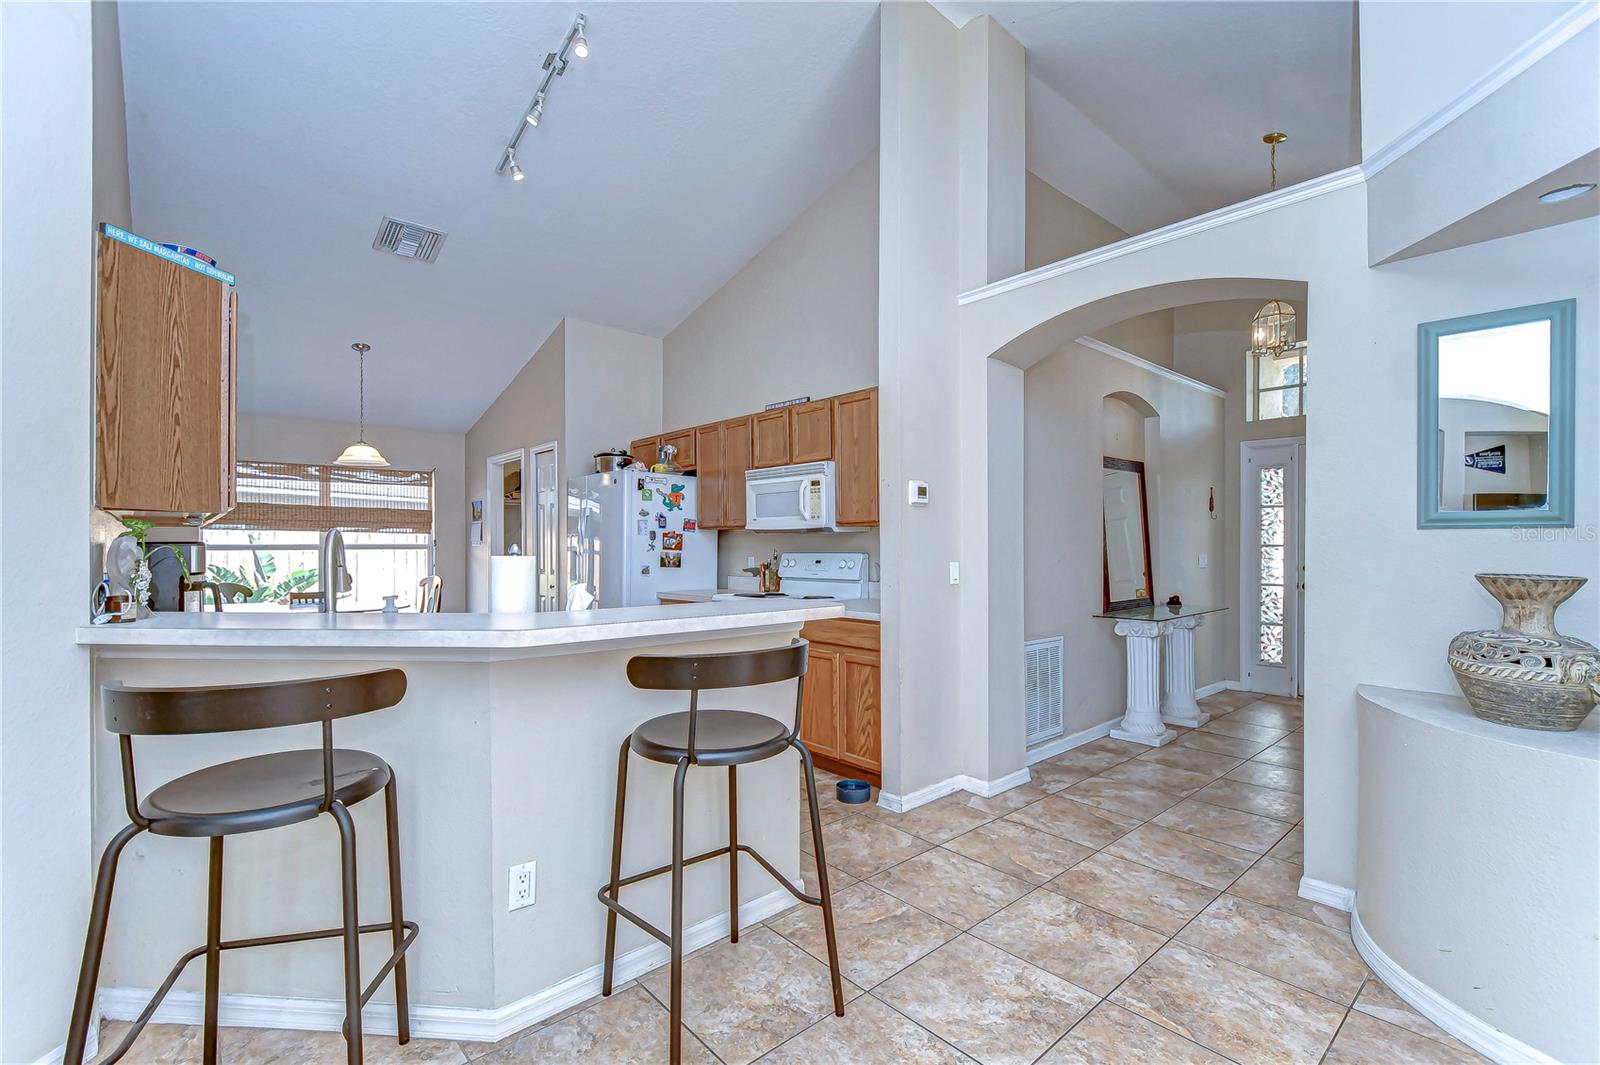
(1277, 383)
(269, 542)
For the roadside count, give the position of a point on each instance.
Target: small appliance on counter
(817, 575)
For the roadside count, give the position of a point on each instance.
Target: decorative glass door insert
(1270, 578)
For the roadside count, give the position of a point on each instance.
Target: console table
(1145, 628)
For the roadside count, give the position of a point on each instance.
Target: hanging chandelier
(361, 453)
(1272, 330)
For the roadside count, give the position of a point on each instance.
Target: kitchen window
(269, 541)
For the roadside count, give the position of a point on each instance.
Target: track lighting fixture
(575, 43)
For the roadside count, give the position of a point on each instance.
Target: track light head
(580, 43)
(516, 171)
(537, 111)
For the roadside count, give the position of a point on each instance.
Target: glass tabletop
(1159, 612)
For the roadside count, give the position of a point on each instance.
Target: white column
(1179, 707)
(1141, 722)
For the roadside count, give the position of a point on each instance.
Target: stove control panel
(840, 573)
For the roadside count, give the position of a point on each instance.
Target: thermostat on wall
(917, 493)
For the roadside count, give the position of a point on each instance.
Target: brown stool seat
(721, 737)
(264, 791)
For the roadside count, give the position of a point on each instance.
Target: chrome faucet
(334, 572)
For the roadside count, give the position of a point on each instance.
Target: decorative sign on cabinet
(165, 381)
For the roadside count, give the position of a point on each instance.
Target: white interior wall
(799, 319)
(1060, 227)
(309, 440)
(1069, 428)
(613, 391)
(47, 194)
(1417, 57)
(531, 411)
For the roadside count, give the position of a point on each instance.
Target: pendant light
(1272, 140)
(362, 453)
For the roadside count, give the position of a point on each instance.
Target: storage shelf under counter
(505, 751)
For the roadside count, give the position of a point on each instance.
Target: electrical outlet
(522, 879)
(1204, 561)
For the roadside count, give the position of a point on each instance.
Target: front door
(1271, 538)
(547, 527)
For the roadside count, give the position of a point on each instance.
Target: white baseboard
(1219, 686)
(428, 1021)
(91, 1047)
(1065, 743)
(1478, 1034)
(1336, 895)
(949, 786)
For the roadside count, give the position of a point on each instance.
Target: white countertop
(509, 635)
(860, 609)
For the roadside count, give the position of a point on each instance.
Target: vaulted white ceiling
(1152, 111)
(275, 136)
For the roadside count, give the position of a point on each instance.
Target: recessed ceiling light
(1566, 192)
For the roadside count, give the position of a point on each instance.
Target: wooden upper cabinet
(645, 449)
(811, 432)
(771, 438)
(737, 457)
(855, 456)
(709, 476)
(684, 441)
(164, 386)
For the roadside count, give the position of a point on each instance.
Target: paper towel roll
(513, 584)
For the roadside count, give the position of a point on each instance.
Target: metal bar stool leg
(675, 1008)
(402, 1003)
(352, 941)
(733, 853)
(213, 952)
(616, 867)
(94, 945)
(822, 880)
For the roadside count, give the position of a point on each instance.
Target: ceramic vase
(1525, 673)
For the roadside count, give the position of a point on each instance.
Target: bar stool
(249, 795)
(712, 738)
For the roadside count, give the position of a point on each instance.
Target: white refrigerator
(632, 534)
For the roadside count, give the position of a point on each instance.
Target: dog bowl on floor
(853, 791)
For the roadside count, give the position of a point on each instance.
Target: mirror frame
(1559, 510)
(1133, 466)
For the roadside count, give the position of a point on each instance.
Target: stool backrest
(134, 712)
(240, 707)
(727, 669)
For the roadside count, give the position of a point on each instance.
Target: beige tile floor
(1128, 905)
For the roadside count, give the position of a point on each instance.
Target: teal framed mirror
(1495, 418)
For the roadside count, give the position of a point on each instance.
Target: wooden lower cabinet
(842, 723)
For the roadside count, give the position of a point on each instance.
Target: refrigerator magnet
(689, 525)
(646, 495)
(644, 571)
(661, 521)
(671, 560)
(643, 524)
(673, 500)
(672, 541)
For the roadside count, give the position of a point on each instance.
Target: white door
(1271, 574)
(547, 525)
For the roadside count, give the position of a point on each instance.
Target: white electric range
(817, 575)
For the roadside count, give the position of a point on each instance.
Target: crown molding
(1150, 367)
(1579, 18)
(1222, 216)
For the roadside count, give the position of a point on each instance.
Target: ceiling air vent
(408, 240)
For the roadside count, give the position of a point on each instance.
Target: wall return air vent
(408, 240)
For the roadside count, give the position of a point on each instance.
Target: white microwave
(790, 497)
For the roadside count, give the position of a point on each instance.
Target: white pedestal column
(1179, 707)
(1141, 722)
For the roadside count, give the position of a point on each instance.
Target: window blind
(297, 496)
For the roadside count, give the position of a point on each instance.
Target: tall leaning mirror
(1127, 535)
(1495, 418)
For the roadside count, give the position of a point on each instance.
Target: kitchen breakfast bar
(504, 751)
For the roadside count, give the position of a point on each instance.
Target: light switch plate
(955, 573)
(1205, 560)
